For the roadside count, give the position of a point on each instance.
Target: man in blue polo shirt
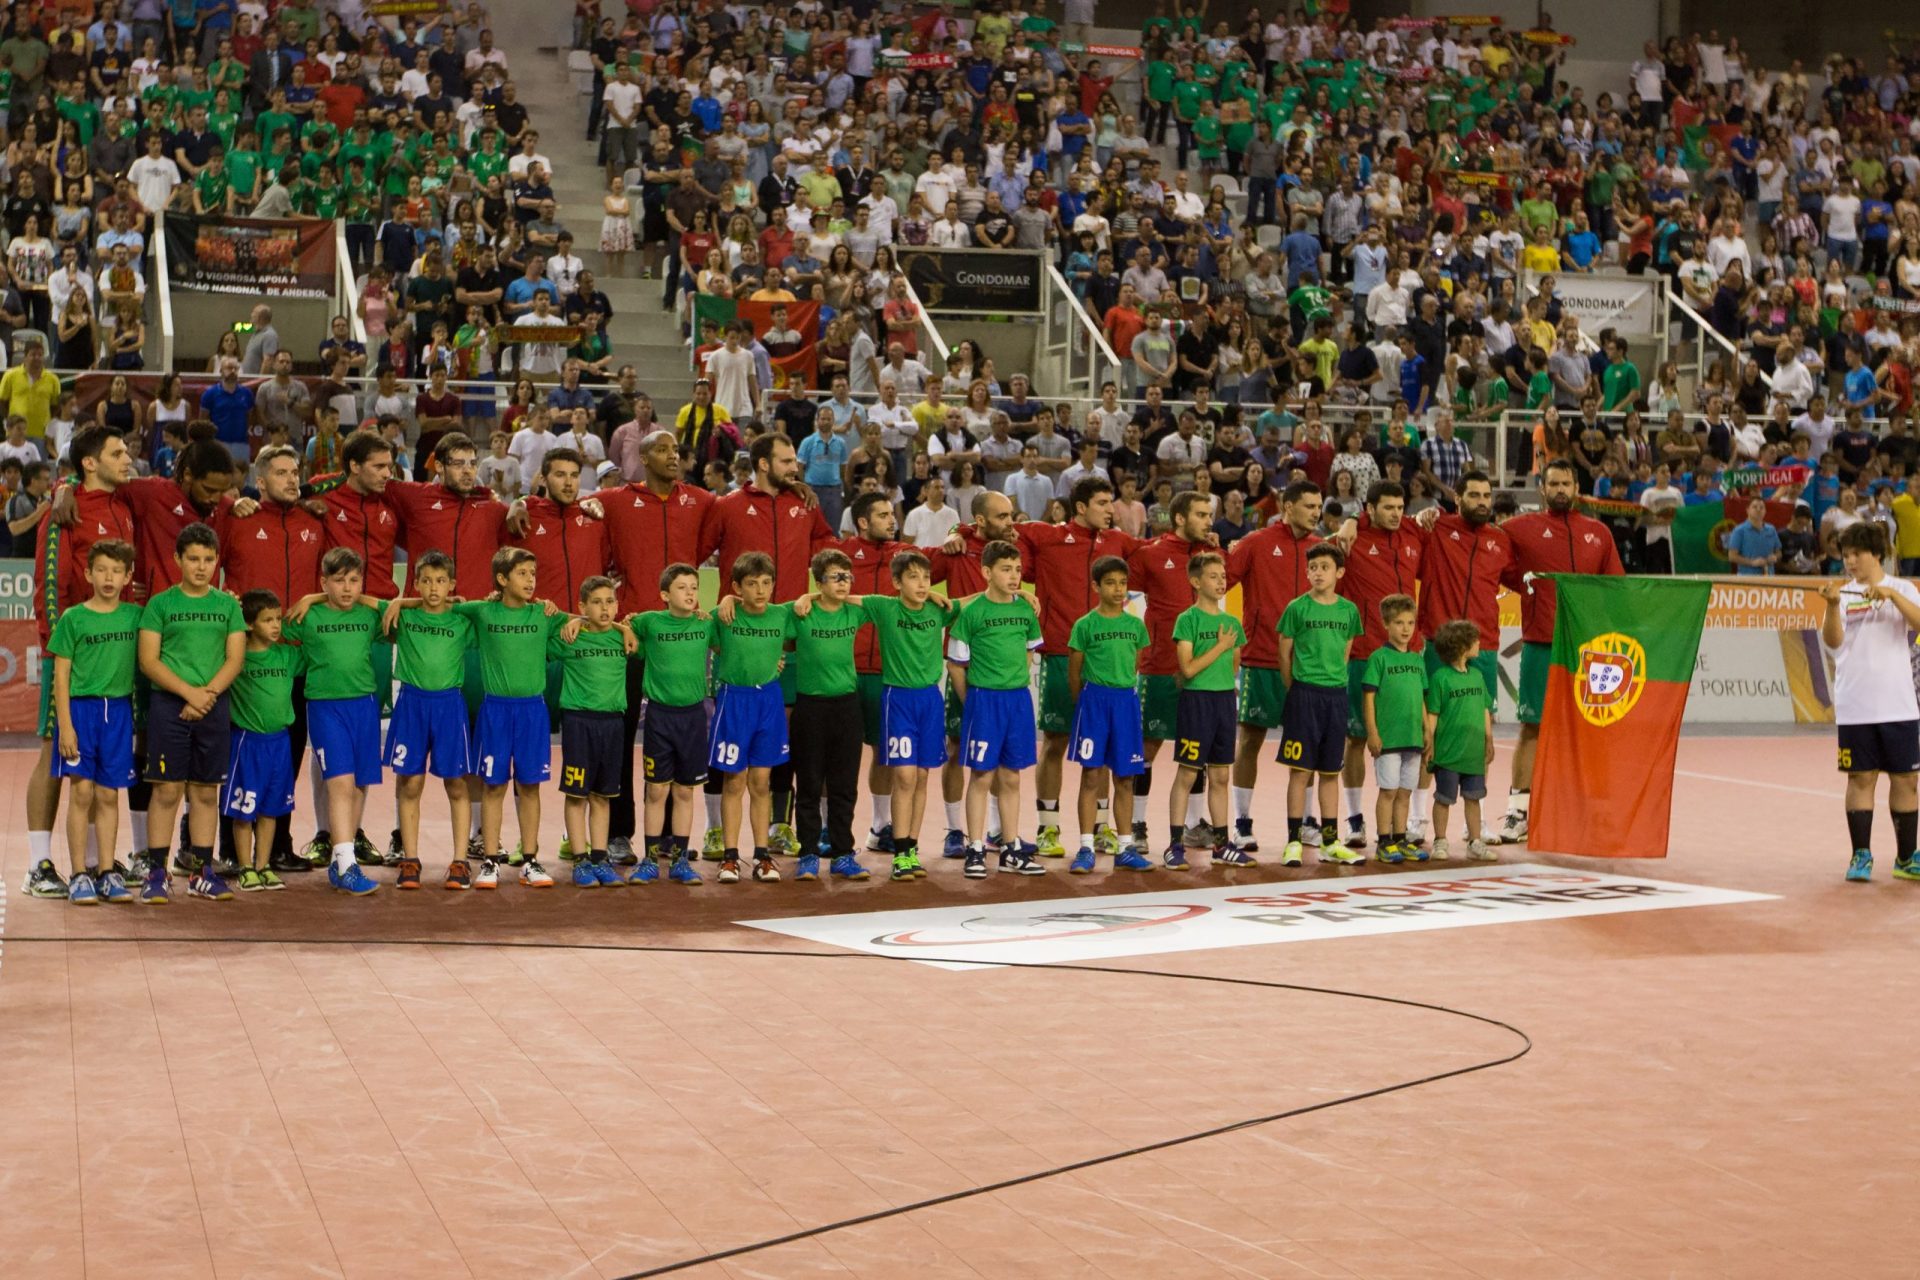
(1754, 547)
(229, 406)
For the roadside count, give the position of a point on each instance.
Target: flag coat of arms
(1622, 662)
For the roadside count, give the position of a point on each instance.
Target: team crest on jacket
(1613, 671)
(260, 535)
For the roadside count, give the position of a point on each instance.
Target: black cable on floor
(967, 1193)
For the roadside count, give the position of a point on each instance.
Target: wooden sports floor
(626, 1082)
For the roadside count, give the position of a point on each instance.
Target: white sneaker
(1440, 851)
(1513, 828)
(1416, 832)
(1489, 833)
(1310, 834)
(1477, 851)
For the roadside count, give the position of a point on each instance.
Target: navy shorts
(429, 734)
(1106, 731)
(1206, 728)
(259, 777)
(673, 744)
(996, 729)
(512, 741)
(913, 725)
(749, 727)
(1313, 728)
(590, 752)
(186, 750)
(1889, 747)
(103, 729)
(345, 735)
(1448, 785)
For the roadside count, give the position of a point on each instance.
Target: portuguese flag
(1623, 653)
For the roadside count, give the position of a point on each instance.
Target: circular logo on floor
(1612, 673)
(1047, 926)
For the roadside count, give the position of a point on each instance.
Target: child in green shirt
(1317, 632)
(259, 790)
(430, 730)
(749, 710)
(990, 647)
(673, 739)
(192, 647)
(1103, 664)
(1393, 691)
(592, 650)
(1459, 735)
(95, 647)
(1207, 641)
(828, 721)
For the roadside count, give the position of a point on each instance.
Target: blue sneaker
(1231, 856)
(1175, 858)
(647, 872)
(809, 867)
(880, 840)
(1861, 868)
(1132, 860)
(955, 846)
(583, 877)
(847, 867)
(353, 880)
(207, 884)
(153, 890)
(1415, 852)
(80, 891)
(1082, 863)
(112, 888)
(1393, 852)
(606, 875)
(682, 872)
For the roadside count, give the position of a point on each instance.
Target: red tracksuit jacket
(572, 547)
(1547, 543)
(467, 526)
(1460, 572)
(60, 553)
(1270, 568)
(646, 533)
(1380, 564)
(872, 575)
(1159, 568)
(277, 548)
(369, 525)
(1059, 558)
(781, 525)
(160, 510)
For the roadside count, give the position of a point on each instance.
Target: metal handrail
(349, 299)
(1708, 331)
(165, 290)
(926, 319)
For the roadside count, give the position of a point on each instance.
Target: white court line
(1760, 782)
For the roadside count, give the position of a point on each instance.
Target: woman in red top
(902, 317)
(697, 241)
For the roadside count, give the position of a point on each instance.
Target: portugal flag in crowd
(1623, 652)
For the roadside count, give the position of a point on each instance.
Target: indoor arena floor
(629, 1082)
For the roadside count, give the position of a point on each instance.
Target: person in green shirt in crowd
(1209, 134)
(243, 167)
(192, 647)
(673, 740)
(259, 790)
(828, 720)
(990, 647)
(1317, 631)
(1459, 735)
(1103, 665)
(337, 628)
(1621, 379)
(513, 738)
(95, 647)
(1207, 643)
(1188, 93)
(592, 651)
(749, 711)
(212, 189)
(1393, 691)
(1159, 105)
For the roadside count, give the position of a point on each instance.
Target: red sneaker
(409, 874)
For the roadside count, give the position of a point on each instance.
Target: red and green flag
(1623, 654)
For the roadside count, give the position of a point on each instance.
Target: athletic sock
(956, 815)
(1102, 814)
(1417, 807)
(40, 846)
(882, 812)
(652, 844)
(1905, 826)
(1197, 810)
(1243, 804)
(1142, 784)
(597, 855)
(157, 859)
(1329, 831)
(1293, 830)
(318, 786)
(473, 823)
(1086, 841)
(202, 854)
(342, 856)
(993, 813)
(713, 811)
(92, 851)
(137, 827)
(1517, 801)
(1309, 808)
(1354, 801)
(1860, 828)
(1049, 811)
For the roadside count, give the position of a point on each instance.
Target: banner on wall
(19, 648)
(998, 280)
(1630, 304)
(278, 258)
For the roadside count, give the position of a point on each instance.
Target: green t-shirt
(271, 122)
(1159, 82)
(1201, 629)
(430, 649)
(193, 631)
(337, 648)
(593, 670)
(512, 644)
(676, 656)
(909, 641)
(1112, 647)
(749, 648)
(1397, 679)
(103, 648)
(263, 694)
(1620, 379)
(213, 190)
(1206, 136)
(1458, 700)
(823, 649)
(243, 171)
(1322, 634)
(994, 641)
(1186, 99)
(1539, 389)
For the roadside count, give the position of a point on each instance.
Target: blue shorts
(1313, 729)
(1449, 786)
(259, 777)
(1107, 731)
(749, 727)
(185, 750)
(996, 729)
(673, 744)
(590, 752)
(103, 728)
(1205, 728)
(428, 733)
(345, 735)
(913, 726)
(512, 741)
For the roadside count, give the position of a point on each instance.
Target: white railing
(164, 288)
(927, 328)
(1072, 348)
(1706, 335)
(348, 285)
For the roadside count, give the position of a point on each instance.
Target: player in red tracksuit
(1060, 559)
(1158, 568)
(571, 544)
(1270, 568)
(651, 523)
(196, 494)
(957, 564)
(1383, 561)
(872, 548)
(360, 517)
(775, 516)
(1555, 540)
(451, 514)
